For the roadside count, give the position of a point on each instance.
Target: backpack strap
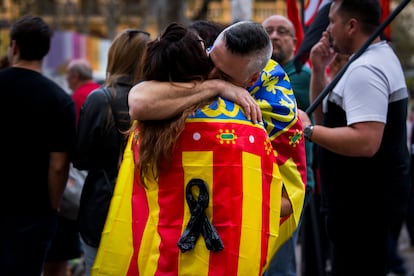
(117, 122)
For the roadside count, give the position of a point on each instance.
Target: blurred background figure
(39, 119)
(101, 140)
(66, 245)
(208, 30)
(361, 132)
(282, 33)
(80, 80)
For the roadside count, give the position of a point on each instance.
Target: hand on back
(242, 97)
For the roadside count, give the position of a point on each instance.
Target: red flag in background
(312, 35)
(294, 16)
(310, 10)
(385, 5)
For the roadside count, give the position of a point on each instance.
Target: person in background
(67, 245)
(79, 76)
(235, 173)
(39, 120)
(103, 123)
(315, 246)
(282, 33)
(361, 132)
(208, 30)
(409, 218)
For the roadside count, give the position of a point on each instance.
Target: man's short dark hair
(249, 39)
(32, 36)
(246, 37)
(367, 12)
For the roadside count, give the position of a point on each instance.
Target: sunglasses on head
(131, 33)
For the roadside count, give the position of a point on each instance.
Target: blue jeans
(89, 255)
(24, 242)
(284, 261)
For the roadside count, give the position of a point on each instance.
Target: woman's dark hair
(207, 30)
(178, 55)
(125, 56)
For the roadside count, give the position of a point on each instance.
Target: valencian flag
(236, 161)
(280, 115)
(227, 224)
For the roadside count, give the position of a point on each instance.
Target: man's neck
(283, 62)
(361, 41)
(34, 65)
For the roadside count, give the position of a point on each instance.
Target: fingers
(250, 107)
(323, 46)
(322, 53)
(303, 116)
(243, 98)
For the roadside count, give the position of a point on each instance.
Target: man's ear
(351, 26)
(253, 79)
(14, 52)
(14, 48)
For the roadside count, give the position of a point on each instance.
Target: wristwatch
(307, 131)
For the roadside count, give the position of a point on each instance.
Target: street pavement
(407, 252)
(404, 248)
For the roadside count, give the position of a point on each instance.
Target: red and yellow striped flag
(279, 109)
(236, 160)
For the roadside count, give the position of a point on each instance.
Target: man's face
(228, 66)
(281, 33)
(71, 79)
(337, 30)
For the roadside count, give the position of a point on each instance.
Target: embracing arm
(359, 139)
(286, 207)
(152, 100)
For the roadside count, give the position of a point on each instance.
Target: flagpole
(338, 76)
(302, 14)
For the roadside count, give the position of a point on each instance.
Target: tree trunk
(168, 11)
(241, 10)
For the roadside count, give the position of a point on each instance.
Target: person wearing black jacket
(103, 122)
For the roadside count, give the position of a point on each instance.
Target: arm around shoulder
(153, 100)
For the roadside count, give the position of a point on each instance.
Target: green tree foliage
(402, 39)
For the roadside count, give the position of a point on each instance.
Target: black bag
(97, 196)
(100, 183)
(69, 205)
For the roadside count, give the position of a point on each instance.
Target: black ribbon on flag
(199, 223)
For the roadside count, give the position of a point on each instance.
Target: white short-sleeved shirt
(369, 84)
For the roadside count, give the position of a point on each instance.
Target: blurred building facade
(85, 28)
(98, 17)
